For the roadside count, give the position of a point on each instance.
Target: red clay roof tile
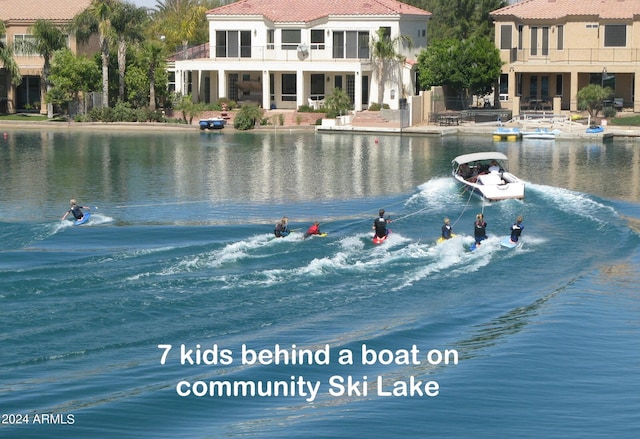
(31, 10)
(304, 11)
(559, 9)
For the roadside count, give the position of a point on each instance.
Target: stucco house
(18, 17)
(288, 53)
(553, 48)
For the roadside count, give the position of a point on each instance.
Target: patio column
(266, 92)
(222, 84)
(636, 92)
(573, 104)
(179, 81)
(300, 90)
(357, 96)
(195, 85)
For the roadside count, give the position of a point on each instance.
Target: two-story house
(553, 48)
(288, 53)
(19, 16)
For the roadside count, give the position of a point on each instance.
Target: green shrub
(123, 112)
(247, 117)
(609, 112)
(94, 115)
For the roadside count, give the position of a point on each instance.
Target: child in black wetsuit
(75, 210)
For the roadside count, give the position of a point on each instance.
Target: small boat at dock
(505, 133)
(213, 123)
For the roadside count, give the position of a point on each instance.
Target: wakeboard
(82, 220)
(508, 243)
(441, 239)
(379, 240)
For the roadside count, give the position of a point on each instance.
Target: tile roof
(558, 9)
(31, 10)
(304, 11)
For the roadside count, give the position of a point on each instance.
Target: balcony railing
(275, 53)
(574, 56)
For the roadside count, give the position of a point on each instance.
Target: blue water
(179, 251)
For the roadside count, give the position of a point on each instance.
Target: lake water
(100, 323)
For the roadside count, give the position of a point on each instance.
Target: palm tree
(181, 22)
(384, 53)
(153, 54)
(127, 23)
(97, 19)
(6, 57)
(47, 39)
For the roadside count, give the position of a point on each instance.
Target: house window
(363, 45)
(289, 89)
(233, 44)
(534, 40)
(271, 37)
(504, 84)
(558, 85)
(290, 39)
(317, 86)
(338, 44)
(520, 37)
(23, 45)
(533, 86)
(545, 41)
(171, 81)
(221, 44)
(351, 87)
(245, 44)
(233, 86)
(560, 35)
(544, 87)
(317, 39)
(505, 37)
(272, 88)
(615, 35)
(351, 44)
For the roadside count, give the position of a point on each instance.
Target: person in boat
(465, 171)
(447, 230)
(494, 167)
(380, 224)
(75, 210)
(516, 229)
(282, 228)
(313, 230)
(479, 229)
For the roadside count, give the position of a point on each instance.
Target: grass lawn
(627, 121)
(27, 117)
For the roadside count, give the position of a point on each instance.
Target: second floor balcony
(271, 52)
(598, 56)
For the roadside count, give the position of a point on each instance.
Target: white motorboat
(486, 174)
